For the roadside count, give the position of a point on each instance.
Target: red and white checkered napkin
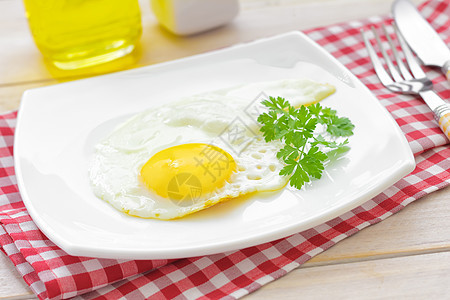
(53, 274)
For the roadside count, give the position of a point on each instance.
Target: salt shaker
(186, 17)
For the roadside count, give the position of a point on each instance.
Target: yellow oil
(80, 33)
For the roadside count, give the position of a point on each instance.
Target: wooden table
(405, 256)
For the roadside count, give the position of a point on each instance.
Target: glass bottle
(74, 34)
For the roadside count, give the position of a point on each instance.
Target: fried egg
(171, 161)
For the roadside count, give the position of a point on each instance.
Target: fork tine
(384, 77)
(395, 74)
(403, 69)
(416, 70)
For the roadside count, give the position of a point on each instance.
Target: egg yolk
(187, 171)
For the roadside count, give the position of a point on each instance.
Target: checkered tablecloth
(53, 274)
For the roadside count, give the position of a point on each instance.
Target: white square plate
(58, 127)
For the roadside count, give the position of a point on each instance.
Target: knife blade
(420, 36)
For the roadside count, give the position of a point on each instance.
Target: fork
(404, 80)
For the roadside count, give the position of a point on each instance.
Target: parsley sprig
(304, 152)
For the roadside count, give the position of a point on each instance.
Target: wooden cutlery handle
(443, 117)
(446, 69)
(440, 108)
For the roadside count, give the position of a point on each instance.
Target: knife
(420, 36)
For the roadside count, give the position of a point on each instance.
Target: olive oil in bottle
(74, 34)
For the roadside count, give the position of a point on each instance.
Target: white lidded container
(185, 17)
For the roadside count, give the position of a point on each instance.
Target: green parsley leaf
(302, 152)
(340, 126)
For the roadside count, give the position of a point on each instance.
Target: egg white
(209, 118)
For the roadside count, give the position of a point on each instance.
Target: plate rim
(117, 253)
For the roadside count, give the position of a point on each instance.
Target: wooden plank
(12, 285)
(402, 240)
(411, 277)
(23, 62)
(420, 228)
(11, 95)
